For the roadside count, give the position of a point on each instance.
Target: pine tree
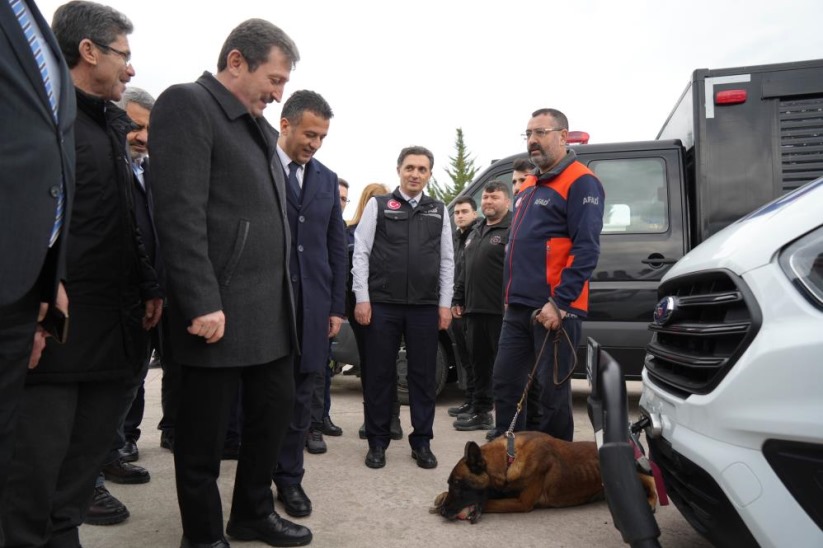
(462, 172)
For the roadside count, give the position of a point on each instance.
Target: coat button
(300, 248)
(54, 191)
(302, 219)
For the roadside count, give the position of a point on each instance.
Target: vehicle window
(636, 196)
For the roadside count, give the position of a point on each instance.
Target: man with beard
(478, 298)
(553, 249)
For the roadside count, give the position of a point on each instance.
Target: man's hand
(362, 313)
(445, 317)
(457, 311)
(550, 317)
(210, 326)
(39, 344)
(334, 325)
(154, 309)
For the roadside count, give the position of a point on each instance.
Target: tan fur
(546, 473)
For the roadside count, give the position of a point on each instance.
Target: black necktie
(294, 185)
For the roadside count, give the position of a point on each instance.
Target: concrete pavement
(356, 506)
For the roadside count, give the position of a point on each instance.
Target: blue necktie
(294, 184)
(21, 10)
(413, 203)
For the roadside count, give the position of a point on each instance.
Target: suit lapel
(310, 182)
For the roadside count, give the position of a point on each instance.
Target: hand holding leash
(550, 317)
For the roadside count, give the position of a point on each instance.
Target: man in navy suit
(318, 273)
(37, 155)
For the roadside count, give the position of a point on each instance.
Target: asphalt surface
(357, 506)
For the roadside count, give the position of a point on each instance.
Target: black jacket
(108, 273)
(459, 238)
(479, 288)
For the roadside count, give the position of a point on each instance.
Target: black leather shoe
(129, 451)
(295, 500)
(331, 429)
(186, 543)
(424, 457)
(167, 440)
(454, 411)
(376, 457)
(124, 472)
(273, 530)
(105, 509)
(315, 443)
(479, 421)
(362, 431)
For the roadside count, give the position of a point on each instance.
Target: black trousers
(418, 326)
(63, 434)
(520, 343)
(483, 335)
(202, 420)
(460, 334)
(289, 470)
(17, 326)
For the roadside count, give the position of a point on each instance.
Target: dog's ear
(474, 458)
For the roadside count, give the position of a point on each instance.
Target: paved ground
(355, 506)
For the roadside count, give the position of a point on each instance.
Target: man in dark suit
(318, 273)
(220, 214)
(37, 155)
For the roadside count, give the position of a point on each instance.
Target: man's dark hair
(498, 186)
(559, 118)
(521, 164)
(342, 182)
(416, 151)
(254, 39)
(75, 21)
(466, 200)
(303, 100)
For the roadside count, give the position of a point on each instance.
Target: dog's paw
(439, 500)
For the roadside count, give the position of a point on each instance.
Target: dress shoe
(395, 430)
(167, 440)
(124, 472)
(331, 429)
(315, 443)
(105, 509)
(376, 457)
(295, 500)
(186, 543)
(493, 433)
(454, 411)
(129, 451)
(424, 457)
(479, 421)
(362, 431)
(273, 530)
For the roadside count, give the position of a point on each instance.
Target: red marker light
(730, 97)
(577, 138)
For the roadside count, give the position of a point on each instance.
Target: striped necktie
(413, 203)
(21, 11)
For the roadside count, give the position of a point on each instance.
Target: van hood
(753, 240)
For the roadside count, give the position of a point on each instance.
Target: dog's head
(468, 487)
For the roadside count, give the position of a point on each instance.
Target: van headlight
(802, 261)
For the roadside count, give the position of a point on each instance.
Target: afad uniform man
(554, 244)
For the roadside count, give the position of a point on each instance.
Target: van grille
(801, 141)
(714, 320)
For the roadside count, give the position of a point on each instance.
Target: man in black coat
(220, 213)
(74, 397)
(37, 156)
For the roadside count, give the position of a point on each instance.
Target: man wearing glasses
(76, 395)
(553, 249)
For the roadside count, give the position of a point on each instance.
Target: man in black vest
(403, 269)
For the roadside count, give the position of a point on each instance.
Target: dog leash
(510, 453)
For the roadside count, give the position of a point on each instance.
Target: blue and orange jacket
(554, 241)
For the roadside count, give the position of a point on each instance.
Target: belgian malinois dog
(545, 473)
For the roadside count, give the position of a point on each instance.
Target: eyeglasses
(126, 55)
(345, 200)
(540, 132)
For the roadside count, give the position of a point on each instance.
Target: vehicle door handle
(657, 260)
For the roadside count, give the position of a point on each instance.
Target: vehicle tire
(441, 374)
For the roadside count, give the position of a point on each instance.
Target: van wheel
(441, 374)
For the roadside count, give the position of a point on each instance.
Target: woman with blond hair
(371, 190)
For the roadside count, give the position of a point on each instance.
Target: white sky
(410, 73)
